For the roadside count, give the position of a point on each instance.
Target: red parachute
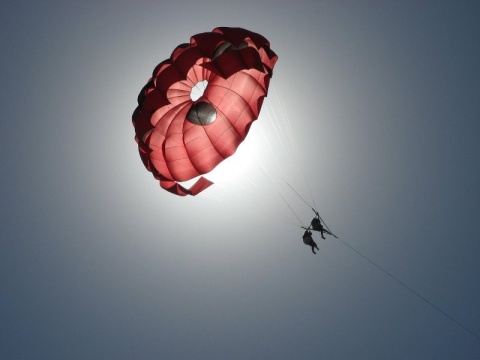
(180, 138)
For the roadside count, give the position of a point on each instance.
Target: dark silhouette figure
(317, 226)
(308, 240)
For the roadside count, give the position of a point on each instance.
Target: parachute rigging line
(286, 202)
(300, 196)
(411, 290)
(285, 127)
(260, 209)
(311, 207)
(265, 173)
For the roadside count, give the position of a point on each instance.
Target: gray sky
(98, 262)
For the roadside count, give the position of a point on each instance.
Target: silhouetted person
(308, 240)
(317, 226)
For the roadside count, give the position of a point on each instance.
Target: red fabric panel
(199, 186)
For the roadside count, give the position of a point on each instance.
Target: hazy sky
(98, 262)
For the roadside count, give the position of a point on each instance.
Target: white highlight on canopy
(198, 90)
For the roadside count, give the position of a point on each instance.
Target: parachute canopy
(182, 135)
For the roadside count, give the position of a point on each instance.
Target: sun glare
(260, 167)
(240, 165)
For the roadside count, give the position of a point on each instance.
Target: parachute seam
(211, 142)
(183, 141)
(241, 97)
(246, 103)
(175, 109)
(216, 140)
(188, 102)
(231, 125)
